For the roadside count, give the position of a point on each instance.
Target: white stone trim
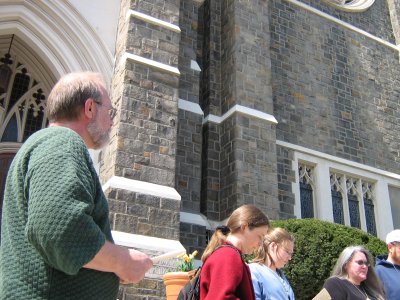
(146, 242)
(152, 20)
(195, 66)
(342, 161)
(190, 106)
(213, 119)
(197, 219)
(149, 62)
(142, 187)
(200, 219)
(344, 24)
(240, 109)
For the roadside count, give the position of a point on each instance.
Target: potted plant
(174, 281)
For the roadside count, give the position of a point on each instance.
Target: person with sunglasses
(388, 266)
(268, 279)
(353, 278)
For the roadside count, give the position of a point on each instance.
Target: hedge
(317, 247)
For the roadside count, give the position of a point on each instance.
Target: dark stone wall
(248, 165)
(210, 60)
(286, 176)
(246, 56)
(193, 237)
(143, 214)
(144, 138)
(236, 71)
(374, 20)
(335, 90)
(188, 160)
(210, 180)
(331, 89)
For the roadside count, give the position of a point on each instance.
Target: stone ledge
(152, 246)
(142, 187)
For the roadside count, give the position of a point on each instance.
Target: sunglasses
(362, 263)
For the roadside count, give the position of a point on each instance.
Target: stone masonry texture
(331, 89)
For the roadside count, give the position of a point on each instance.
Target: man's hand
(128, 264)
(135, 266)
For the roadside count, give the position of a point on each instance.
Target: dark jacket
(390, 277)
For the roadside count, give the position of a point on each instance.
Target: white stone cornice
(149, 62)
(200, 219)
(338, 160)
(141, 187)
(152, 20)
(195, 66)
(197, 219)
(146, 242)
(190, 106)
(241, 109)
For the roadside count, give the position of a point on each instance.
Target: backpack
(191, 290)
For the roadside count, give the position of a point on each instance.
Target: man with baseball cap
(388, 266)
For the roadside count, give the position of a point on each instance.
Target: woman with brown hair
(269, 282)
(224, 274)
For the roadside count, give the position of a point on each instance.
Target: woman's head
(353, 263)
(277, 248)
(247, 224)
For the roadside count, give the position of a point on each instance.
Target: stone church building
(291, 105)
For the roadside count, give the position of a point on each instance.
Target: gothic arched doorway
(22, 100)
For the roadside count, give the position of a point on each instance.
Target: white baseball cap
(393, 236)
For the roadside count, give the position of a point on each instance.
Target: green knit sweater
(55, 220)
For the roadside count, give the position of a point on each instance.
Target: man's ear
(89, 108)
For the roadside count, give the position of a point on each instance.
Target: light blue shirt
(269, 285)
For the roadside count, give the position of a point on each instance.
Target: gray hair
(70, 93)
(372, 284)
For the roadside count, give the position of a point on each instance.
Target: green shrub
(317, 247)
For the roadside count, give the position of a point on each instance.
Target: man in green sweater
(56, 239)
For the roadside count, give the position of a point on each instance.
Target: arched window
(22, 106)
(351, 5)
(306, 191)
(337, 198)
(22, 102)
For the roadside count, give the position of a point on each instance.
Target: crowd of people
(56, 240)
(226, 276)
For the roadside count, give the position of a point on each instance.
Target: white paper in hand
(168, 255)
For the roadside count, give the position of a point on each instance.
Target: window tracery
(355, 198)
(306, 191)
(351, 5)
(22, 106)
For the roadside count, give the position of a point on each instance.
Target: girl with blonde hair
(268, 279)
